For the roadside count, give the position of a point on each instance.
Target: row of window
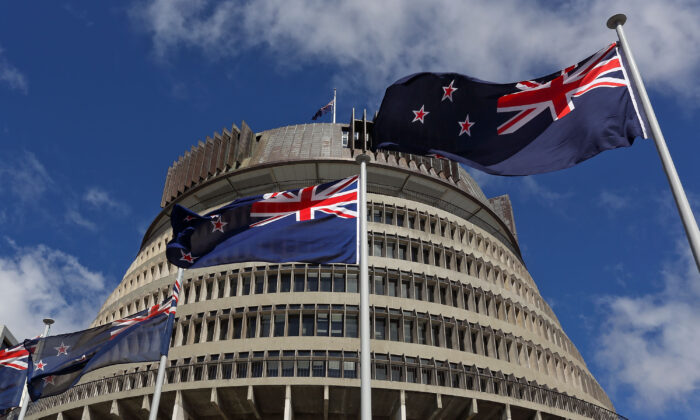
(330, 364)
(339, 279)
(324, 320)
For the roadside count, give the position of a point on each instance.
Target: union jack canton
(316, 224)
(13, 375)
(529, 127)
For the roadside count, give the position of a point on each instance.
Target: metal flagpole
(689, 223)
(365, 360)
(163, 359)
(25, 393)
(334, 105)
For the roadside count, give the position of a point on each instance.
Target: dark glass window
(380, 371)
(336, 325)
(394, 330)
(312, 281)
(322, 324)
(307, 326)
(352, 283)
(272, 368)
(436, 335)
(318, 368)
(379, 329)
(411, 221)
(272, 283)
(402, 251)
(448, 337)
(431, 293)
(408, 331)
(422, 338)
(303, 367)
(405, 289)
(233, 286)
(389, 217)
(399, 219)
(246, 286)
(250, 332)
(279, 325)
(299, 282)
(237, 327)
(390, 247)
(197, 332)
(293, 326)
(265, 325)
(351, 326)
(393, 287)
(379, 285)
(325, 282)
(223, 329)
(286, 283)
(185, 332)
(339, 282)
(210, 330)
(378, 247)
(377, 216)
(221, 284)
(209, 287)
(287, 367)
(414, 253)
(259, 283)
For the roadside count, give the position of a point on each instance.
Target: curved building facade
(459, 329)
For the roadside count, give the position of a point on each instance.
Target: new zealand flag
(13, 375)
(57, 362)
(316, 224)
(524, 128)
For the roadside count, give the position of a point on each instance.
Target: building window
(325, 282)
(279, 325)
(336, 325)
(272, 283)
(210, 330)
(394, 330)
(286, 283)
(246, 286)
(265, 325)
(422, 337)
(378, 248)
(322, 324)
(307, 325)
(259, 283)
(293, 325)
(250, 332)
(312, 281)
(379, 285)
(223, 329)
(408, 331)
(339, 282)
(352, 283)
(393, 287)
(299, 282)
(389, 217)
(379, 329)
(351, 326)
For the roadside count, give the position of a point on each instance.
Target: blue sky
(97, 100)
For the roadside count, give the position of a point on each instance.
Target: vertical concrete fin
(326, 401)
(87, 414)
(288, 412)
(250, 398)
(473, 409)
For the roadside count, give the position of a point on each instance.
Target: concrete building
(6, 337)
(459, 329)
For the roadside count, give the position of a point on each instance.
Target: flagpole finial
(618, 19)
(48, 321)
(362, 158)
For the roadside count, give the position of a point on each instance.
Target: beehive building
(459, 329)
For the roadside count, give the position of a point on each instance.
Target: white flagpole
(164, 358)
(365, 359)
(334, 104)
(25, 393)
(686, 213)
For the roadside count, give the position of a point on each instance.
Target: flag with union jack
(57, 362)
(523, 128)
(316, 224)
(13, 375)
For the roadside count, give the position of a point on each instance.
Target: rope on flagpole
(334, 104)
(153, 414)
(686, 213)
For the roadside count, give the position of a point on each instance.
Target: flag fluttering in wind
(324, 110)
(57, 362)
(316, 224)
(523, 128)
(13, 375)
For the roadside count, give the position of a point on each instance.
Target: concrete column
(505, 415)
(214, 401)
(115, 410)
(400, 413)
(288, 412)
(180, 411)
(537, 416)
(87, 413)
(473, 410)
(250, 398)
(438, 407)
(326, 401)
(146, 405)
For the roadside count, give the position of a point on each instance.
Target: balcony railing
(441, 374)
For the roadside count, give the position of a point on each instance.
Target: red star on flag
(187, 257)
(449, 90)
(49, 380)
(218, 225)
(466, 126)
(40, 365)
(420, 114)
(62, 349)
(188, 218)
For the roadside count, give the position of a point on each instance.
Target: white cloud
(39, 282)
(542, 193)
(612, 201)
(11, 76)
(649, 344)
(100, 199)
(73, 216)
(378, 42)
(24, 176)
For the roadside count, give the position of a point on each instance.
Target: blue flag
(316, 224)
(524, 128)
(57, 362)
(324, 110)
(13, 375)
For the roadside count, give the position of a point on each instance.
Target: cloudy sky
(97, 100)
